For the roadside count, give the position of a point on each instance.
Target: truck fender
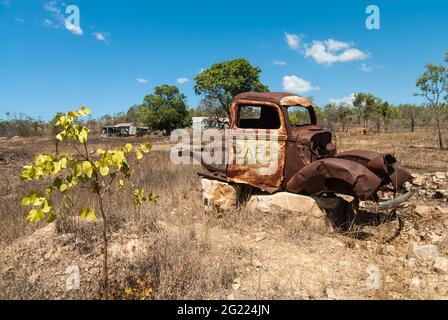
(335, 175)
(384, 166)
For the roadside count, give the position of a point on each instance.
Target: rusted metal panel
(241, 140)
(335, 175)
(384, 166)
(305, 145)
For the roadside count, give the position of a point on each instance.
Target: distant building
(210, 122)
(199, 123)
(124, 129)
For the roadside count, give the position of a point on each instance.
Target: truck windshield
(298, 116)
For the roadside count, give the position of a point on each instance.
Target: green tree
(132, 114)
(344, 114)
(433, 85)
(335, 114)
(410, 113)
(211, 108)
(384, 113)
(165, 109)
(224, 80)
(102, 172)
(331, 116)
(365, 105)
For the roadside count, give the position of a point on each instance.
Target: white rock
(426, 253)
(421, 192)
(416, 281)
(418, 179)
(257, 264)
(219, 196)
(285, 201)
(441, 265)
(440, 175)
(411, 262)
(407, 185)
(301, 207)
(422, 210)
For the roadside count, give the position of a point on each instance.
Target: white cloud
(101, 36)
(366, 68)
(369, 68)
(330, 51)
(334, 45)
(142, 80)
(295, 84)
(279, 63)
(51, 6)
(293, 40)
(344, 100)
(55, 9)
(19, 20)
(6, 3)
(48, 22)
(182, 80)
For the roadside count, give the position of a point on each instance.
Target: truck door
(257, 145)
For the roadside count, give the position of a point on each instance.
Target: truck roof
(280, 98)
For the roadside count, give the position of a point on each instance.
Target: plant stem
(105, 241)
(105, 246)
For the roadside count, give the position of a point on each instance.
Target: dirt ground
(173, 250)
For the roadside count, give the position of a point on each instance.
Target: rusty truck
(308, 162)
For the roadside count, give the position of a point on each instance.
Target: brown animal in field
(361, 131)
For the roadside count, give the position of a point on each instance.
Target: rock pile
(316, 214)
(430, 185)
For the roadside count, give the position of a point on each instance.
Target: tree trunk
(439, 133)
(412, 125)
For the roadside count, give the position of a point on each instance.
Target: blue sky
(125, 48)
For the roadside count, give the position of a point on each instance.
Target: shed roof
(125, 124)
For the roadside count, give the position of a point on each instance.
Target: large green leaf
(35, 215)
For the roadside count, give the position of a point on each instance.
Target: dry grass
(177, 267)
(417, 150)
(180, 264)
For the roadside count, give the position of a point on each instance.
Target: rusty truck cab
(252, 115)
